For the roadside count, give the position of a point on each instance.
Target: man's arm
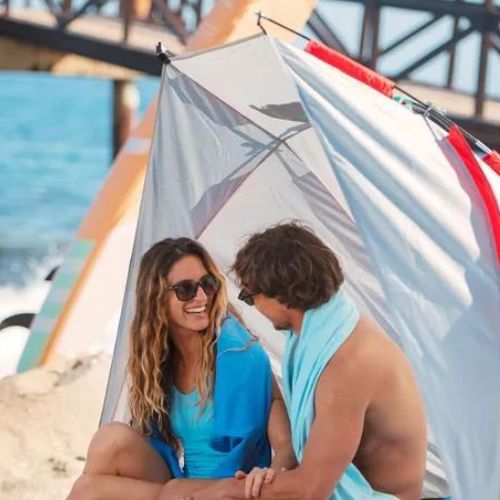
(281, 442)
(341, 401)
(342, 397)
(279, 433)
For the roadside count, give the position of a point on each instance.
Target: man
(358, 423)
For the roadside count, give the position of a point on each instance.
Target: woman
(200, 385)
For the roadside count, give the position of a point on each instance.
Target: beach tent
(257, 132)
(80, 314)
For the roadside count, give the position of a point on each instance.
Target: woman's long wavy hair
(151, 349)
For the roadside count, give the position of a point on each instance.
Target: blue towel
(242, 402)
(324, 330)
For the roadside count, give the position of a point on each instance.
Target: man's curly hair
(290, 263)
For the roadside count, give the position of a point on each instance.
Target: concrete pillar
(125, 103)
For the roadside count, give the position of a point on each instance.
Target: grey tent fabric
(287, 136)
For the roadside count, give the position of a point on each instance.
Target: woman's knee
(83, 489)
(111, 440)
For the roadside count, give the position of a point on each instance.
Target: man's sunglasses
(187, 289)
(247, 297)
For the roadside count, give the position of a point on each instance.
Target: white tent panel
(270, 195)
(261, 90)
(232, 156)
(282, 188)
(185, 186)
(313, 155)
(255, 85)
(426, 230)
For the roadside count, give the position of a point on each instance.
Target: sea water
(55, 152)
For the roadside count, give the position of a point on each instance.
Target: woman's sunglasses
(187, 289)
(247, 297)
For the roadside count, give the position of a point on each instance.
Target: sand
(47, 418)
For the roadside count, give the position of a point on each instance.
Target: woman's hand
(254, 480)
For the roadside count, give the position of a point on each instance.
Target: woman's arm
(179, 488)
(279, 433)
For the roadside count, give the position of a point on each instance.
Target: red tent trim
(461, 146)
(351, 68)
(493, 160)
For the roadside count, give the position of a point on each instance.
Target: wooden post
(125, 104)
(126, 14)
(66, 8)
(483, 64)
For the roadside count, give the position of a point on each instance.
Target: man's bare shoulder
(368, 351)
(368, 366)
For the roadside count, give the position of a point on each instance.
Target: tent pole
(435, 114)
(163, 54)
(259, 22)
(448, 123)
(261, 16)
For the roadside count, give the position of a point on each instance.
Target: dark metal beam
(82, 10)
(126, 15)
(93, 48)
(66, 7)
(369, 50)
(483, 66)
(433, 53)
(6, 4)
(410, 34)
(452, 52)
(171, 19)
(482, 72)
(473, 11)
(197, 7)
(325, 33)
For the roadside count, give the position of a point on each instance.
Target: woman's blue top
(194, 426)
(240, 406)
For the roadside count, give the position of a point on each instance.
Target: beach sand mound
(47, 418)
